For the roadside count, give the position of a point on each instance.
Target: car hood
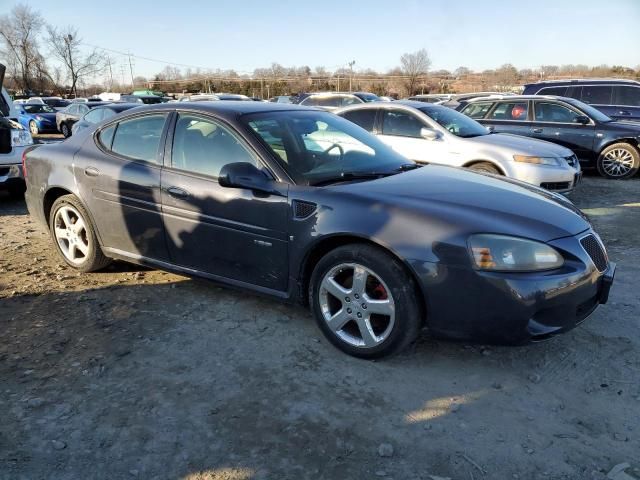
(626, 125)
(474, 203)
(524, 145)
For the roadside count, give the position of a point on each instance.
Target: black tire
(607, 166)
(65, 130)
(33, 128)
(95, 258)
(403, 289)
(486, 167)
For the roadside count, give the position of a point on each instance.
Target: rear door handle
(537, 130)
(177, 192)
(91, 172)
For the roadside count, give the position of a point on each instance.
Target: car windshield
(317, 147)
(457, 123)
(369, 97)
(592, 112)
(38, 108)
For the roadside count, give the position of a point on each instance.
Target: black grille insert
(595, 250)
(303, 209)
(555, 185)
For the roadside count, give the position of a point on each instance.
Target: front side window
(552, 112)
(364, 118)
(202, 145)
(511, 111)
(477, 110)
(401, 124)
(626, 95)
(38, 108)
(316, 146)
(596, 94)
(139, 138)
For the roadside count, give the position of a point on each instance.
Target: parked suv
(599, 141)
(618, 99)
(14, 138)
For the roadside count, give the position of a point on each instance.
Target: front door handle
(624, 112)
(177, 192)
(91, 172)
(537, 130)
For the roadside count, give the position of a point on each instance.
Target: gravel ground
(136, 373)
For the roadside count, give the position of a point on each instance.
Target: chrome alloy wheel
(618, 162)
(71, 234)
(357, 305)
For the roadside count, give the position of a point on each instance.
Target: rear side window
(95, 115)
(82, 109)
(626, 95)
(477, 110)
(597, 94)
(363, 118)
(106, 136)
(559, 91)
(139, 138)
(510, 111)
(401, 124)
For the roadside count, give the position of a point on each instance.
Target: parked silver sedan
(430, 133)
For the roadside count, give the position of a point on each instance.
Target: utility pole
(67, 41)
(110, 73)
(262, 88)
(131, 71)
(338, 84)
(351, 64)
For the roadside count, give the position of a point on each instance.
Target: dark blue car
(618, 99)
(38, 118)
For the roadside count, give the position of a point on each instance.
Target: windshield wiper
(348, 176)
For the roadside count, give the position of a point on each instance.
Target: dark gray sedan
(305, 206)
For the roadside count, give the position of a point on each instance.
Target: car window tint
(73, 109)
(401, 123)
(597, 94)
(552, 112)
(626, 95)
(94, 116)
(107, 113)
(559, 91)
(82, 109)
(106, 136)
(477, 110)
(364, 118)
(510, 111)
(139, 138)
(205, 146)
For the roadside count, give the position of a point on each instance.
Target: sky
(243, 35)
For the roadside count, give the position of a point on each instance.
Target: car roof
(515, 97)
(119, 107)
(227, 108)
(574, 81)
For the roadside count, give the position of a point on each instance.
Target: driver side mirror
(246, 175)
(582, 119)
(429, 134)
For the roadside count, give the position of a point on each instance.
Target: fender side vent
(303, 209)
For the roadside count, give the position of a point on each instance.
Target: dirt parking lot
(135, 373)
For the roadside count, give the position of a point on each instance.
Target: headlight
(503, 253)
(39, 118)
(20, 138)
(537, 160)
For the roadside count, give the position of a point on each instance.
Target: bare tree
(415, 65)
(18, 32)
(66, 46)
(462, 72)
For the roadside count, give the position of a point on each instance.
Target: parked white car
(428, 133)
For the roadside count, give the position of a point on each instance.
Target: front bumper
(11, 168)
(513, 308)
(561, 179)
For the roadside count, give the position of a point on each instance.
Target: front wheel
(485, 167)
(33, 128)
(74, 236)
(618, 161)
(364, 301)
(66, 131)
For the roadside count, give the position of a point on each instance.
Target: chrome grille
(595, 250)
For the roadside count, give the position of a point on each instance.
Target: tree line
(28, 44)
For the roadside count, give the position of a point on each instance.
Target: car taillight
(24, 164)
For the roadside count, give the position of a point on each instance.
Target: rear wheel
(74, 235)
(66, 131)
(618, 161)
(364, 301)
(33, 128)
(486, 167)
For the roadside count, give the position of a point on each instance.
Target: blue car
(38, 118)
(617, 98)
